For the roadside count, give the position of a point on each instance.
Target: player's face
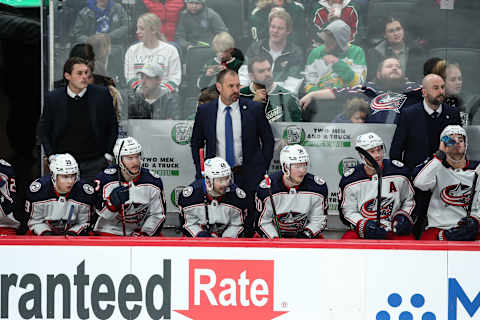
(377, 155)
(453, 82)
(278, 30)
(434, 91)
(262, 73)
(229, 88)
(391, 69)
(298, 172)
(65, 182)
(194, 7)
(78, 79)
(220, 185)
(132, 162)
(394, 33)
(457, 151)
(149, 84)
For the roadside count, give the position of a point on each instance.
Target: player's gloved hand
(401, 225)
(466, 230)
(372, 231)
(119, 196)
(306, 234)
(204, 234)
(48, 233)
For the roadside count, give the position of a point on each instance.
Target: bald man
(420, 125)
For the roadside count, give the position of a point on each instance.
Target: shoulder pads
(240, 193)
(263, 184)
(154, 174)
(187, 191)
(5, 163)
(397, 163)
(88, 189)
(318, 180)
(110, 171)
(349, 172)
(35, 186)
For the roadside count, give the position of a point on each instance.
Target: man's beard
(391, 84)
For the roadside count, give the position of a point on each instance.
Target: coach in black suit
(79, 119)
(419, 126)
(252, 136)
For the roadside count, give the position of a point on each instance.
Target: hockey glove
(466, 230)
(48, 233)
(401, 225)
(306, 234)
(370, 230)
(119, 196)
(204, 234)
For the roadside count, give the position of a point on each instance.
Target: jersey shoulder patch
(187, 191)
(348, 172)
(35, 186)
(154, 174)
(240, 193)
(110, 170)
(88, 189)
(397, 163)
(318, 180)
(5, 163)
(263, 184)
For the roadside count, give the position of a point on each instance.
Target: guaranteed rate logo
(231, 289)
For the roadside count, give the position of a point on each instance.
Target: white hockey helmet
(369, 140)
(129, 146)
(216, 168)
(63, 164)
(292, 154)
(453, 129)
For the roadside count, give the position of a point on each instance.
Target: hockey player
(357, 196)
(60, 203)
(129, 198)
(449, 176)
(8, 224)
(294, 202)
(214, 206)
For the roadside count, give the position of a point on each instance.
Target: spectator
(336, 63)
(299, 197)
(197, 25)
(449, 175)
(79, 119)
(357, 201)
(213, 206)
(168, 11)
(328, 10)
(206, 95)
(153, 99)
(388, 95)
(8, 195)
(259, 22)
(154, 50)
(59, 203)
(243, 137)
(102, 46)
(279, 103)
(286, 58)
(356, 111)
(411, 54)
(130, 200)
(416, 135)
(104, 16)
(226, 57)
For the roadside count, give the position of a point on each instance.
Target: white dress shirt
(237, 130)
(429, 110)
(73, 95)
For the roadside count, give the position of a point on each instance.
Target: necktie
(229, 151)
(435, 115)
(77, 97)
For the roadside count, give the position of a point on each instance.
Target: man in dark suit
(79, 119)
(420, 125)
(237, 131)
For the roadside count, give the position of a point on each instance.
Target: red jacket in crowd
(168, 13)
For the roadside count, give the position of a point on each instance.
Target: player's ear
(67, 76)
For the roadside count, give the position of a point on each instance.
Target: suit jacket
(411, 142)
(101, 111)
(257, 140)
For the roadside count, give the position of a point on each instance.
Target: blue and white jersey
(301, 208)
(225, 213)
(143, 213)
(357, 194)
(7, 196)
(50, 211)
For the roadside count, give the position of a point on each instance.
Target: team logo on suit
(388, 101)
(456, 195)
(292, 221)
(369, 208)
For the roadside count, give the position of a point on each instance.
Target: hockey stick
(122, 216)
(474, 187)
(69, 220)
(378, 170)
(201, 153)
(269, 186)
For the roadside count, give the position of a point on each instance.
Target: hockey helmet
(453, 129)
(216, 168)
(129, 146)
(369, 140)
(293, 154)
(63, 164)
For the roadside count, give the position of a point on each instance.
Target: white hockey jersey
(357, 194)
(298, 209)
(451, 190)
